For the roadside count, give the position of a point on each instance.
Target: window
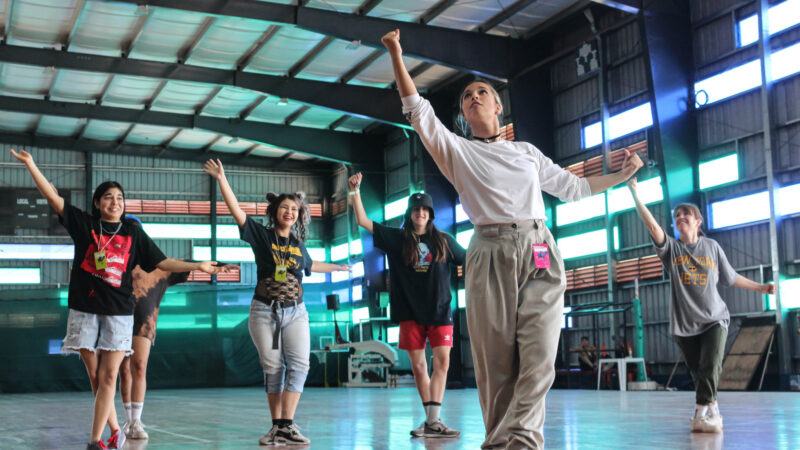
(339, 275)
(317, 254)
(587, 208)
(650, 191)
(360, 315)
(230, 320)
(463, 237)
(567, 319)
(585, 244)
(179, 231)
(789, 200)
(719, 171)
(358, 292)
(340, 252)
(785, 62)
(237, 254)
(736, 211)
(624, 123)
(393, 335)
(356, 247)
(56, 252)
(790, 295)
(780, 17)
(395, 208)
(315, 278)
(358, 269)
(18, 275)
(461, 216)
(462, 298)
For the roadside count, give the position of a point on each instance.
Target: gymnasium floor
(381, 419)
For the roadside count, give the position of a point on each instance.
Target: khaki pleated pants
(514, 315)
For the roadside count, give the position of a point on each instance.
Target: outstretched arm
(746, 283)
(45, 187)
(630, 165)
(211, 267)
(355, 196)
(405, 85)
(324, 267)
(647, 217)
(217, 172)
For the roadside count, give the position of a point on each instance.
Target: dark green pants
(703, 354)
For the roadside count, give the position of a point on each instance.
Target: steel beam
(335, 124)
(295, 115)
(308, 57)
(504, 15)
(128, 46)
(186, 52)
(367, 102)
(90, 146)
(325, 144)
(435, 10)
(76, 19)
(208, 100)
(257, 46)
(9, 16)
(485, 55)
(251, 107)
(628, 6)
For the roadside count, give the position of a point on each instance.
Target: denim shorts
(97, 332)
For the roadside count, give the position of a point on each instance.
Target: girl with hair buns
(698, 316)
(514, 276)
(100, 322)
(278, 320)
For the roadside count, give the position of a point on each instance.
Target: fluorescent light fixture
(393, 335)
(789, 200)
(339, 275)
(748, 30)
(395, 208)
(790, 295)
(587, 208)
(462, 298)
(780, 17)
(340, 252)
(786, 62)
(585, 244)
(739, 210)
(42, 252)
(317, 253)
(461, 215)
(463, 237)
(179, 231)
(650, 191)
(360, 315)
(358, 293)
(236, 254)
(621, 124)
(719, 171)
(20, 275)
(358, 269)
(567, 319)
(356, 248)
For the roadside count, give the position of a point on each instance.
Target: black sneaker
(98, 445)
(290, 436)
(419, 431)
(439, 430)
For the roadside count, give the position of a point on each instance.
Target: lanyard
(278, 256)
(100, 236)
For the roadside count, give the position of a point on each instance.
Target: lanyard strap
(100, 236)
(279, 256)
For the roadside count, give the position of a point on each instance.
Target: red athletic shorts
(414, 335)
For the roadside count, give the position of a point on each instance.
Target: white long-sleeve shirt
(498, 182)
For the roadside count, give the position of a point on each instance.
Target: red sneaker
(99, 445)
(116, 440)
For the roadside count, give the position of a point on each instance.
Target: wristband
(353, 192)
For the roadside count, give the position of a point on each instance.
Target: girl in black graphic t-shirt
(420, 259)
(100, 322)
(278, 321)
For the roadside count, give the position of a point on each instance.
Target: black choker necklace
(487, 140)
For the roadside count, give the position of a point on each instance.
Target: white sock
(700, 411)
(714, 409)
(432, 412)
(136, 410)
(127, 407)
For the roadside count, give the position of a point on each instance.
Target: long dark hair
(303, 218)
(692, 209)
(100, 191)
(437, 242)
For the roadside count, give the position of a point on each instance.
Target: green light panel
(237, 254)
(462, 298)
(360, 315)
(719, 171)
(183, 321)
(395, 208)
(174, 299)
(393, 335)
(586, 244)
(19, 275)
(231, 320)
(587, 208)
(340, 252)
(463, 237)
(790, 295)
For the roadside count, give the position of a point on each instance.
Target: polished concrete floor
(381, 419)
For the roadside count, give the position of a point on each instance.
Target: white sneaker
(290, 436)
(136, 430)
(419, 431)
(711, 424)
(269, 438)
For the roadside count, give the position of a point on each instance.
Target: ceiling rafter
(504, 15)
(7, 23)
(127, 47)
(252, 107)
(74, 24)
(295, 115)
(245, 60)
(186, 52)
(200, 109)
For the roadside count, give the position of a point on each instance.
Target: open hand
(343, 268)
(391, 41)
(23, 156)
(214, 168)
(355, 181)
(631, 164)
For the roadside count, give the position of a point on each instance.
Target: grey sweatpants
(293, 345)
(514, 315)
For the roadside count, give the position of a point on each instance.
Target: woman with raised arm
(698, 316)
(514, 276)
(100, 323)
(278, 320)
(420, 260)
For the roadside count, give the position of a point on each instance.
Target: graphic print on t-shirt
(425, 257)
(117, 251)
(694, 271)
(292, 254)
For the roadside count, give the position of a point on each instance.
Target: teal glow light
(357, 292)
(339, 275)
(358, 269)
(463, 237)
(462, 298)
(395, 208)
(231, 320)
(183, 321)
(719, 171)
(790, 295)
(315, 278)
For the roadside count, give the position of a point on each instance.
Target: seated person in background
(588, 356)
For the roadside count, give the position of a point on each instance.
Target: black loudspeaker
(333, 302)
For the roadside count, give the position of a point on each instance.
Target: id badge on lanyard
(100, 261)
(541, 256)
(280, 273)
